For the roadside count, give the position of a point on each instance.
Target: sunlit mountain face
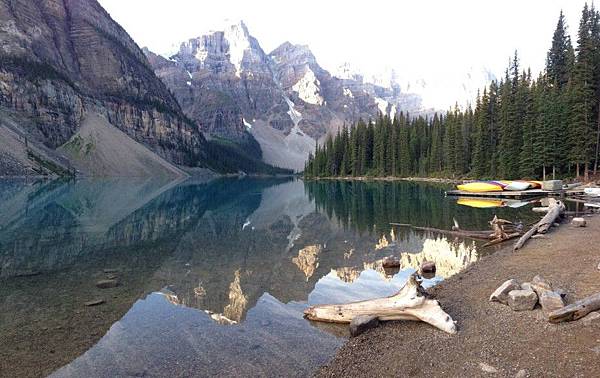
(208, 271)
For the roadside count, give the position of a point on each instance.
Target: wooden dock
(517, 194)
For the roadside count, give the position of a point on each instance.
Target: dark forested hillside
(520, 126)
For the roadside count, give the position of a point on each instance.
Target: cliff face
(60, 59)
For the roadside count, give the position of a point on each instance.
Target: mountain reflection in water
(214, 276)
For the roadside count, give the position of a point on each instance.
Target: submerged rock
(391, 262)
(501, 293)
(428, 267)
(362, 323)
(522, 300)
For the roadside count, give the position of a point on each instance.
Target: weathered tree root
(410, 303)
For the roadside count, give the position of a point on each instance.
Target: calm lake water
(213, 276)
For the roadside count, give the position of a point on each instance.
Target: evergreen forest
(520, 126)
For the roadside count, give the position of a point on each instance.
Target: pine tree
(582, 100)
(559, 60)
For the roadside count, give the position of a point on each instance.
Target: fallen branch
(576, 310)
(555, 210)
(498, 229)
(501, 240)
(410, 303)
(482, 235)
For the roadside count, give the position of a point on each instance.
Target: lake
(213, 276)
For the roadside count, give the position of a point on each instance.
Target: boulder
(540, 285)
(598, 266)
(391, 262)
(526, 286)
(578, 222)
(592, 319)
(501, 293)
(550, 301)
(522, 300)
(561, 292)
(428, 267)
(362, 323)
(106, 284)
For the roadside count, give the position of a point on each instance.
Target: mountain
(64, 62)
(421, 95)
(283, 100)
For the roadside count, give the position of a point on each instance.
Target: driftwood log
(555, 210)
(410, 303)
(501, 231)
(576, 310)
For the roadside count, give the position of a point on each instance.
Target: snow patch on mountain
(382, 105)
(295, 115)
(348, 93)
(247, 124)
(345, 71)
(308, 88)
(237, 37)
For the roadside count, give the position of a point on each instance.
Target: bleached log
(540, 209)
(410, 303)
(555, 210)
(576, 310)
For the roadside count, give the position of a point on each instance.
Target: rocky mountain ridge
(227, 83)
(62, 61)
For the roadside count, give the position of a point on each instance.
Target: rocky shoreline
(493, 339)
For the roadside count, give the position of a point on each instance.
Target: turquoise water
(213, 276)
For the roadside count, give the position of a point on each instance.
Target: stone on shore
(526, 286)
(540, 285)
(106, 284)
(362, 323)
(94, 303)
(522, 300)
(592, 319)
(550, 301)
(522, 374)
(487, 368)
(561, 292)
(578, 222)
(501, 293)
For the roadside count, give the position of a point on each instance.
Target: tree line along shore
(520, 126)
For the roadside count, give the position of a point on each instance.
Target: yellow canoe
(475, 187)
(480, 203)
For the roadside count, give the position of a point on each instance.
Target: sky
(437, 41)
